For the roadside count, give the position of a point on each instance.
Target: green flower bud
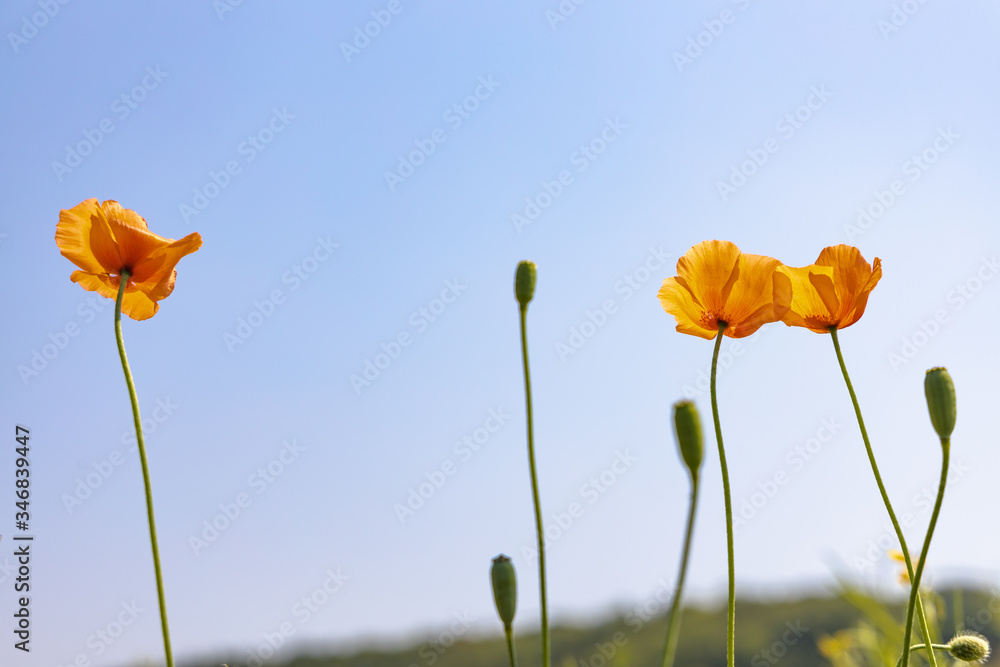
(504, 589)
(524, 282)
(940, 392)
(969, 647)
(687, 429)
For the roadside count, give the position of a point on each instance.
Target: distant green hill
(773, 633)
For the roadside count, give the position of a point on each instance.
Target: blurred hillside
(772, 633)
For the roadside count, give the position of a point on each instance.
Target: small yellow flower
(831, 646)
(904, 576)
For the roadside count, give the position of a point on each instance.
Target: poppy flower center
(823, 318)
(708, 320)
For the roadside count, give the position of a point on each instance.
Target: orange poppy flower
(105, 239)
(717, 283)
(833, 292)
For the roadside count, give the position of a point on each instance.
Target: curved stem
(915, 647)
(731, 624)
(924, 628)
(509, 631)
(675, 608)
(534, 491)
(123, 281)
(945, 455)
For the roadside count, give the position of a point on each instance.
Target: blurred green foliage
(852, 629)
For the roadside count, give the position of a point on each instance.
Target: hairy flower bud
(524, 282)
(969, 647)
(504, 589)
(687, 429)
(940, 392)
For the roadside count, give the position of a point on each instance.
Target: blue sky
(364, 198)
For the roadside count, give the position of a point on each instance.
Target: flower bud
(687, 428)
(940, 392)
(504, 589)
(969, 647)
(524, 282)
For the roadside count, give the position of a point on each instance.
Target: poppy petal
(861, 301)
(138, 305)
(850, 270)
(112, 210)
(807, 308)
(750, 302)
(158, 265)
(823, 285)
(135, 245)
(104, 245)
(73, 235)
(690, 316)
(96, 282)
(708, 269)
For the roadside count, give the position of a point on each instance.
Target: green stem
(945, 455)
(534, 491)
(675, 608)
(731, 625)
(916, 647)
(924, 628)
(123, 281)
(509, 631)
(958, 610)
